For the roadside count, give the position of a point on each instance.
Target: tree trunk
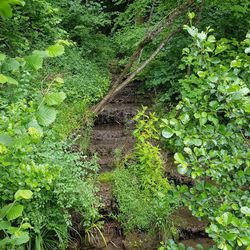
(120, 83)
(116, 89)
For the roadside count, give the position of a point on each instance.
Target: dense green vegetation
(56, 61)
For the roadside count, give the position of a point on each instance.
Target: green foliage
(147, 155)
(106, 177)
(35, 22)
(32, 158)
(83, 78)
(6, 7)
(209, 131)
(72, 190)
(171, 245)
(239, 8)
(84, 23)
(14, 236)
(144, 196)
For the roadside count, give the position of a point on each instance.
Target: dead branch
(116, 89)
(169, 19)
(120, 83)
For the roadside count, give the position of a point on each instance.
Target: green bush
(32, 158)
(209, 130)
(144, 196)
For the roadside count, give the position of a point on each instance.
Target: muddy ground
(113, 131)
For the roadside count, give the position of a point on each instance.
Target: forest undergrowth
(57, 61)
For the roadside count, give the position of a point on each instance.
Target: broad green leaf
(226, 218)
(202, 36)
(6, 140)
(211, 39)
(191, 15)
(245, 240)
(244, 91)
(196, 142)
(16, 2)
(55, 50)
(15, 212)
(220, 48)
(11, 80)
(180, 159)
(214, 228)
(167, 133)
(46, 115)
(23, 194)
(245, 210)
(26, 225)
(182, 169)
(64, 42)
(191, 30)
(230, 236)
(2, 57)
(54, 99)
(21, 237)
(59, 80)
(4, 210)
(7, 79)
(227, 247)
(35, 61)
(10, 64)
(34, 124)
(4, 225)
(5, 241)
(185, 118)
(247, 50)
(12, 230)
(41, 53)
(3, 79)
(188, 150)
(5, 9)
(246, 105)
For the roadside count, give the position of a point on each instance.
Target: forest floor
(112, 139)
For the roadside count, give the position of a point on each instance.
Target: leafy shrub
(84, 24)
(34, 22)
(144, 196)
(171, 245)
(31, 157)
(72, 190)
(83, 79)
(14, 236)
(209, 131)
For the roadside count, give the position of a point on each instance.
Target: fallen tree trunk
(115, 89)
(120, 83)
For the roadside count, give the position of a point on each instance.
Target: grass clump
(106, 177)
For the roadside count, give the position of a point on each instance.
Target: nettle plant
(209, 131)
(22, 126)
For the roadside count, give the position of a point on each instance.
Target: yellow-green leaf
(23, 194)
(55, 50)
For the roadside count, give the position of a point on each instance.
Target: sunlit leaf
(23, 194)
(35, 61)
(54, 99)
(167, 133)
(55, 50)
(14, 212)
(46, 115)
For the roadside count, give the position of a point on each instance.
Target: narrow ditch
(112, 134)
